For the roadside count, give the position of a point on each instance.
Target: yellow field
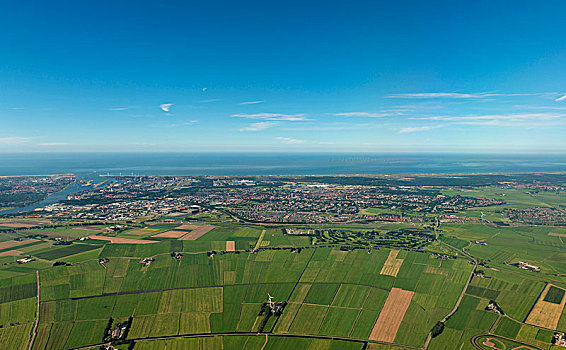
(545, 314)
(392, 264)
(390, 317)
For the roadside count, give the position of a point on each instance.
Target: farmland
(202, 278)
(224, 294)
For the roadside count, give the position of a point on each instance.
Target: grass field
(54, 253)
(329, 291)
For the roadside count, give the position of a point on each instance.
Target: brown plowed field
(171, 234)
(11, 253)
(390, 317)
(10, 244)
(197, 231)
(230, 246)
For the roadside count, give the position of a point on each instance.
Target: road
(34, 331)
(429, 337)
(365, 342)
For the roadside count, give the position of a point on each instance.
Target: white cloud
(273, 116)
(53, 144)
(118, 108)
(204, 89)
(367, 114)
(14, 140)
(251, 102)
(561, 98)
(210, 100)
(561, 108)
(166, 107)
(258, 126)
(515, 117)
(418, 128)
(173, 125)
(289, 140)
(456, 95)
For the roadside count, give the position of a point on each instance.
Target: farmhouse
(492, 306)
(118, 331)
(526, 266)
(24, 260)
(146, 261)
(559, 339)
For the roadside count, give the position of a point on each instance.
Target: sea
(240, 164)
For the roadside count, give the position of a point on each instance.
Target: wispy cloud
(273, 116)
(210, 100)
(251, 102)
(515, 117)
(53, 144)
(456, 95)
(555, 107)
(419, 128)
(12, 140)
(334, 126)
(166, 107)
(367, 114)
(258, 126)
(561, 98)
(173, 125)
(118, 108)
(289, 140)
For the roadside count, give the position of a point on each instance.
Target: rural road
(309, 336)
(429, 338)
(34, 331)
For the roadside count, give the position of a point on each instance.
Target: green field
(554, 295)
(339, 294)
(330, 285)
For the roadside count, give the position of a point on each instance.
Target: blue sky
(293, 76)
